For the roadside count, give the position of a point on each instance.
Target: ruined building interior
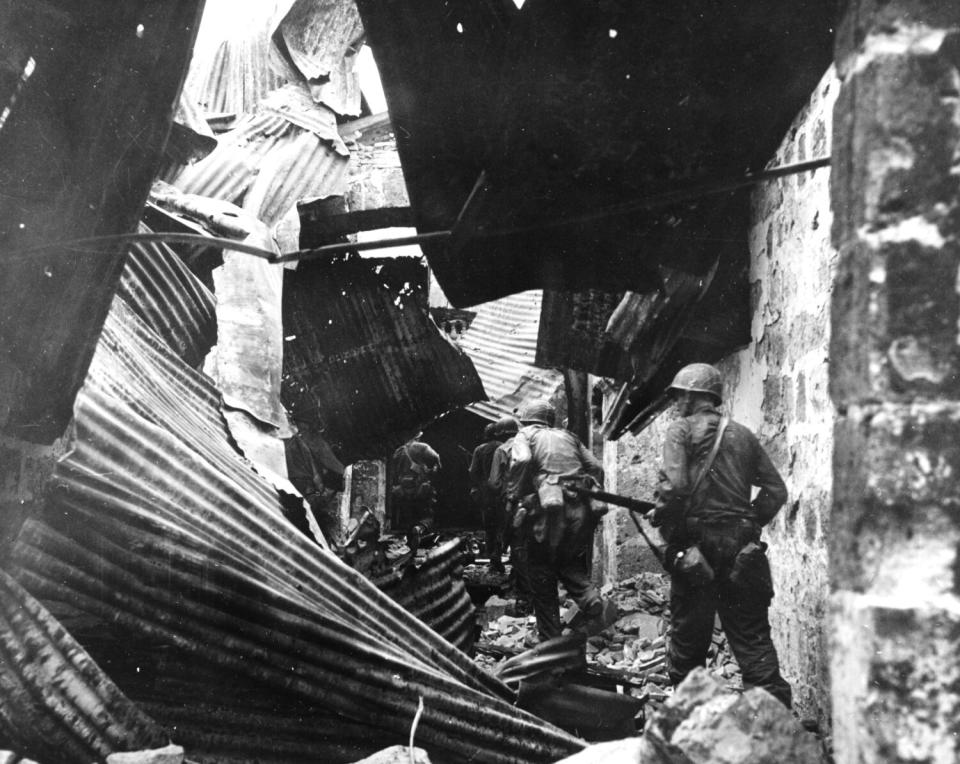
(250, 249)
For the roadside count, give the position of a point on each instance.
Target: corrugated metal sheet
(163, 292)
(322, 38)
(55, 703)
(573, 334)
(289, 151)
(502, 343)
(78, 152)
(435, 593)
(364, 365)
(569, 123)
(238, 72)
(158, 527)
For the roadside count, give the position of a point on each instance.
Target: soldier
(716, 560)
(413, 494)
(485, 498)
(507, 427)
(546, 464)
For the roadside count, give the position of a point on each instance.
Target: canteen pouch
(550, 493)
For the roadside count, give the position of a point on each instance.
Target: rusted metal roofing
(157, 526)
(322, 40)
(364, 365)
(289, 151)
(163, 292)
(56, 704)
(583, 117)
(80, 147)
(502, 343)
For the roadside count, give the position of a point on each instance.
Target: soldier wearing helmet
(712, 527)
(485, 499)
(547, 463)
(508, 427)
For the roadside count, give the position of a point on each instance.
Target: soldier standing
(716, 560)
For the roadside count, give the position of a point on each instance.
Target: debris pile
(633, 648)
(704, 723)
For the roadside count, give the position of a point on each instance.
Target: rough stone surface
(752, 728)
(896, 671)
(704, 724)
(778, 386)
(896, 383)
(896, 527)
(171, 754)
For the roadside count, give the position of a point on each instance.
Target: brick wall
(778, 386)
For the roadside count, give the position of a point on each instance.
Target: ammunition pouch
(751, 571)
(691, 565)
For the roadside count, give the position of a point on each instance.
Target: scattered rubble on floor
(633, 648)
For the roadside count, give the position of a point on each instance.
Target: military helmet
(540, 412)
(507, 425)
(698, 378)
(490, 431)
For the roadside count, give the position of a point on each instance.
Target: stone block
(894, 521)
(495, 607)
(895, 668)
(752, 728)
(397, 754)
(643, 625)
(171, 754)
(704, 724)
(866, 17)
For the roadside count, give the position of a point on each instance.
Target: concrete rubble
(633, 648)
(704, 723)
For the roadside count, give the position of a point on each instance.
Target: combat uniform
(558, 541)
(721, 520)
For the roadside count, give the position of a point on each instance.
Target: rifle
(636, 506)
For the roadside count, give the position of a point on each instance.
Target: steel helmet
(698, 378)
(490, 430)
(507, 425)
(538, 411)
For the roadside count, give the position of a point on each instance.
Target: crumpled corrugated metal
(364, 365)
(56, 704)
(160, 289)
(231, 77)
(159, 527)
(322, 38)
(502, 343)
(288, 151)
